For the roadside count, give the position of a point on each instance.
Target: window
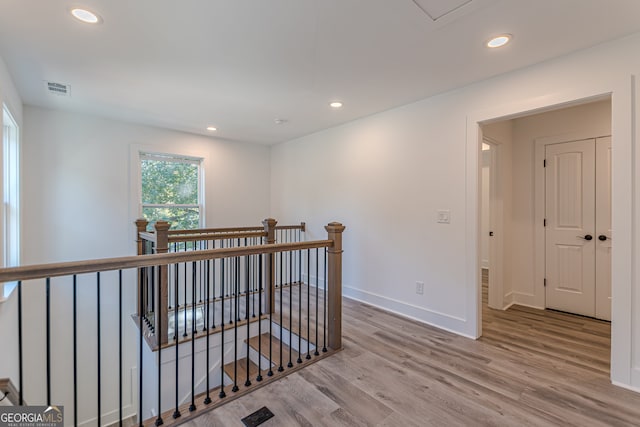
(11, 195)
(171, 190)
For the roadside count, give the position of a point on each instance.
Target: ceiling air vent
(59, 89)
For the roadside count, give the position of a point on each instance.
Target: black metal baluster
(254, 281)
(99, 352)
(308, 304)
(280, 367)
(48, 326)
(141, 326)
(176, 275)
(75, 350)
(247, 271)
(194, 331)
(299, 307)
(20, 379)
(271, 296)
(185, 334)
(235, 327)
(207, 399)
(201, 273)
(222, 394)
(213, 273)
(151, 302)
(290, 364)
(239, 285)
(259, 377)
(158, 333)
(119, 346)
(316, 353)
(230, 286)
(204, 277)
(324, 306)
(176, 303)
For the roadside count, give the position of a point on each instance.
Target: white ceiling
(240, 64)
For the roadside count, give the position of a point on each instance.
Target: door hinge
(544, 163)
(544, 223)
(545, 282)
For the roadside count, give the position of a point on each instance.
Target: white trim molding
(624, 201)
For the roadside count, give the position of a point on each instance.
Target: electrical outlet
(420, 288)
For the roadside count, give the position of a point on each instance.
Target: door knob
(586, 237)
(602, 237)
(491, 234)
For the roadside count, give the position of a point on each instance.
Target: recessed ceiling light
(336, 104)
(499, 41)
(85, 16)
(212, 128)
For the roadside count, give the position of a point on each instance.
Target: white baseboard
(507, 301)
(111, 417)
(526, 300)
(443, 321)
(626, 386)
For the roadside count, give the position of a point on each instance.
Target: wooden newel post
(141, 227)
(162, 305)
(270, 266)
(334, 285)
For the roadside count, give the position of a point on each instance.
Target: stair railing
(163, 240)
(277, 278)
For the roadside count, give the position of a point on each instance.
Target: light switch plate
(444, 216)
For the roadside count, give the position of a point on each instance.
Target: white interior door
(569, 234)
(603, 228)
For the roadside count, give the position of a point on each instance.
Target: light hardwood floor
(531, 368)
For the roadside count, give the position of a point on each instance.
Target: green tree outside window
(170, 190)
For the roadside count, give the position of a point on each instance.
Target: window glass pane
(169, 182)
(179, 218)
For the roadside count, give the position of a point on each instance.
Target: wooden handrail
(173, 238)
(215, 230)
(216, 233)
(301, 226)
(31, 272)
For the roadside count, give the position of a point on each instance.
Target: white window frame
(145, 155)
(11, 196)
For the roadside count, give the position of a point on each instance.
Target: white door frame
(496, 225)
(624, 115)
(539, 299)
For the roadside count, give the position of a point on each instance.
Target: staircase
(232, 311)
(274, 348)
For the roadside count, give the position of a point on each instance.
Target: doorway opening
(525, 209)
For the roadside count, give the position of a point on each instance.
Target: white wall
(9, 94)
(384, 177)
(593, 119)
(77, 183)
(8, 310)
(500, 285)
(77, 204)
(486, 224)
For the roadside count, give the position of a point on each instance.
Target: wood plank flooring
(530, 368)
